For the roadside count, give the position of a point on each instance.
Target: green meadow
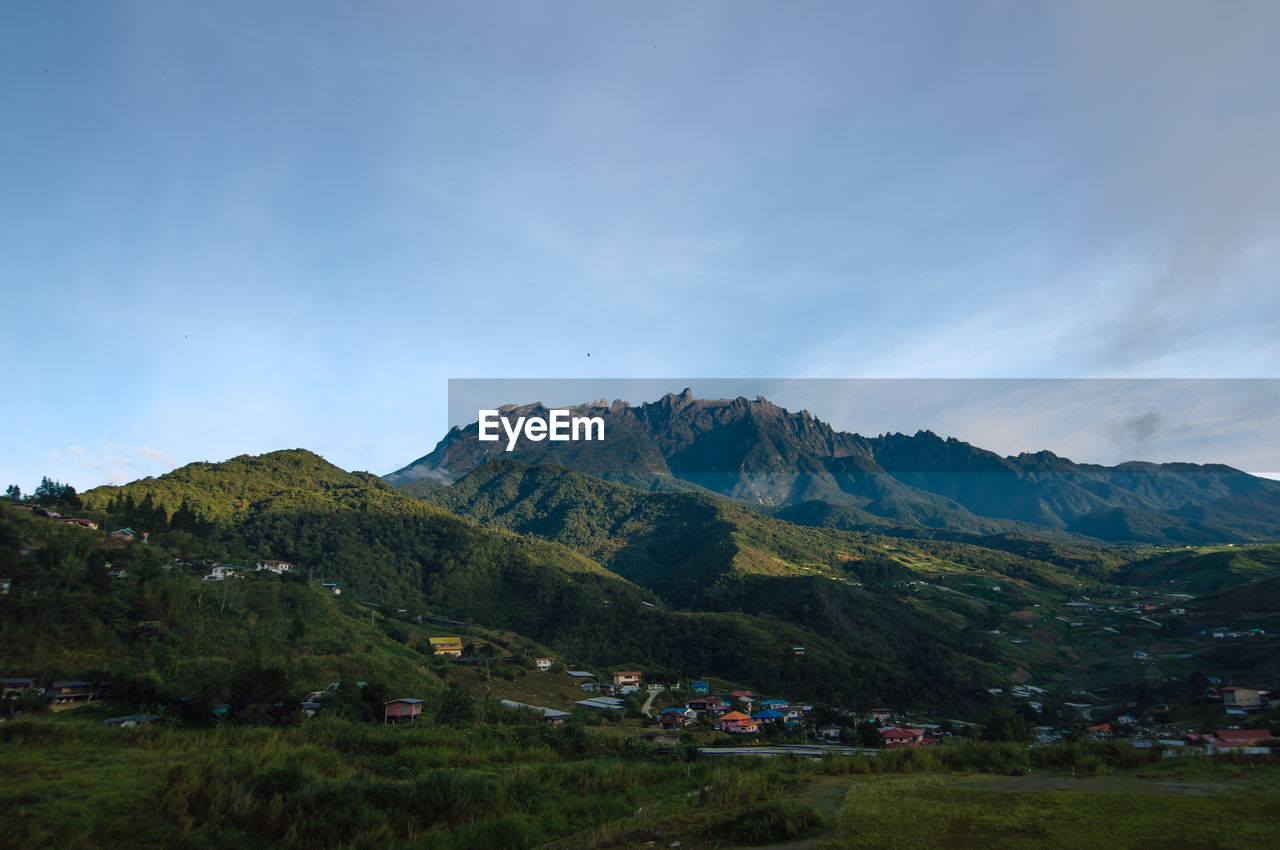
(1059, 811)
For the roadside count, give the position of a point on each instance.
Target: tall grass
(334, 783)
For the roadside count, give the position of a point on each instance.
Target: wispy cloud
(116, 462)
(1178, 119)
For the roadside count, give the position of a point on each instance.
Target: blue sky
(232, 228)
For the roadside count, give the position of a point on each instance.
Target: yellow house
(1248, 699)
(446, 646)
(623, 678)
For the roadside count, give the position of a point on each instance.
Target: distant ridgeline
(754, 451)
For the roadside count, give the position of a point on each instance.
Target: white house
(224, 571)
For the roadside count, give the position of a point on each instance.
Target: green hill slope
(353, 529)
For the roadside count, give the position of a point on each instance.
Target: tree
(50, 493)
(14, 493)
(457, 706)
(869, 734)
(1005, 724)
(185, 519)
(150, 516)
(47, 491)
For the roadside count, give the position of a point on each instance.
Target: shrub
(780, 820)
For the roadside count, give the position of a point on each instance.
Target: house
(881, 715)
(700, 688)
(677, 718)
(737, 723)
(333, 587)
(581, 674)
(554, 717)
(1244, 699)
(829, 733)
(277, 567)
(446, 646)
(664, 743)
(226, 571)
(710, 705)
(894, 736)
(1230, 738)
(16, 686)
(625, 678)
(550, 716)
(600, 704)
(544, 664)
(81, 523)
(67, 692)
(769, 714)
(400, 710)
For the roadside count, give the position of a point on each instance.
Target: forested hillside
(402, 553)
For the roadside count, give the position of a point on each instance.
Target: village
(717, 718)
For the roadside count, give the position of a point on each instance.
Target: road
(648, 703)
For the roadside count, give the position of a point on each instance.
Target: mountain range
(726, 538)
(758, 453)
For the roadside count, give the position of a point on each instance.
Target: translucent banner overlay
(1234, 422)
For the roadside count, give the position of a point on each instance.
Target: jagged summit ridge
(756, 451)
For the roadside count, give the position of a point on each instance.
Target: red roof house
(735, 722)
(899, 737)
(1226, 738)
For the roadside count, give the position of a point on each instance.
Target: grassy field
(1059, 811)
(349, 785)
(65, 781)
